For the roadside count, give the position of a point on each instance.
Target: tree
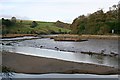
(34, 24)
(13, 20)
(6, 22)
(99, 22)
(119, 11)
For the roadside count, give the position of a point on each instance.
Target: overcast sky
(52, 10)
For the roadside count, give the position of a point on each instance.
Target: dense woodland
(99, 22)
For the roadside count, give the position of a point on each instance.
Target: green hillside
(25, 27)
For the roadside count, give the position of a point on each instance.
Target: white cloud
(5, 8)
(15, 0)
(17, 16)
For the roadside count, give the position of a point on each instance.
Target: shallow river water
(46, 47)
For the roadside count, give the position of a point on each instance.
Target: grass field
(24, 27)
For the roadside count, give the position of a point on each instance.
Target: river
(46, 47)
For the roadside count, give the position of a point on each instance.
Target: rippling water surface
(42, 47)
(93, 45)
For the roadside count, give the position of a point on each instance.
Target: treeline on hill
(14, 26)
(99, 22)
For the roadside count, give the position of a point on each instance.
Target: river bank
(16, 35)
(73, 37)
(40, 65)
(59, 36)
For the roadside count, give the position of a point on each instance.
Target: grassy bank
(25, 27)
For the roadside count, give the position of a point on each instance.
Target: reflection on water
(75, 57)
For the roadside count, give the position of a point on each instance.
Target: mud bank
(21, 63)
(84, 37)
(16, 35)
